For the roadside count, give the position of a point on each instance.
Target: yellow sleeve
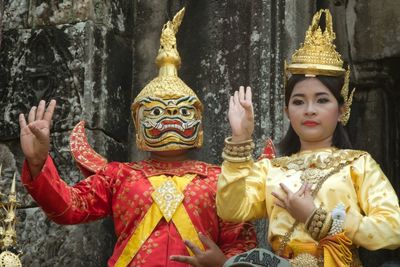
(241, 191)
(378, 224)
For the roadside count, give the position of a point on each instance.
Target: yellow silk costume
(372, 207)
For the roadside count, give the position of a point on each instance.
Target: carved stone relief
(40, 69)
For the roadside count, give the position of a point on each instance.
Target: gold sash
(167, 203)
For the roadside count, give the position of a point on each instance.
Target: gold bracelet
(317, 222)
(241, 150)
(234, 158)
(309, 219)
(228, 141)
(326, 227)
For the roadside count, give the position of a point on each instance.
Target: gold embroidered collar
(319, 159)
(179, 168)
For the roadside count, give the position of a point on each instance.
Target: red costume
(123, 191)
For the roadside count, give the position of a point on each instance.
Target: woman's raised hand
(241, 115)
(35, 136)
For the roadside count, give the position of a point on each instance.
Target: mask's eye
(156, 111)
(184, 111)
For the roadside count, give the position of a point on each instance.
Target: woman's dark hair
(290, 143)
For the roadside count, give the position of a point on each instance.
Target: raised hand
(35, 136)
(212, 257)
(299, 204)
(241, 115)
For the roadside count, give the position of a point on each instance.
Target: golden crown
(167, 85)
(318, 56)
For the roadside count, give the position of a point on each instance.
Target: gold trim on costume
(168, 198)
(140, 235)
(170, 207)
(305, 160)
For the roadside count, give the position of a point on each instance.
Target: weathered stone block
(374, 29)
(87, 68)
(44, 243)
(115, 15)
(225, 44)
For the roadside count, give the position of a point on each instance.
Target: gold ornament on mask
(318, 56)
(169, 97)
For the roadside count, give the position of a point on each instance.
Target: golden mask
(168, 124)
(167, 112)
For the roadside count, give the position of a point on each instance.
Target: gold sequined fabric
(371, 204)
(167, 197)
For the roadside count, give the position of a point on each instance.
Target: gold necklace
(313, 175)
(313, 166)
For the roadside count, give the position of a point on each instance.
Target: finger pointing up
(50, 110)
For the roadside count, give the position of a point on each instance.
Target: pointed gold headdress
(318, 56)
(167, 84)
(167, 112)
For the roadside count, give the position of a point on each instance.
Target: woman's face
(313, 112)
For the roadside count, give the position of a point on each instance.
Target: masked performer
(156, 204)
(322, 199)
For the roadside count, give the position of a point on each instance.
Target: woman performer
(322, 199)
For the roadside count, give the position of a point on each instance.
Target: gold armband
(309, 219)
(325, 227)
(315, 224)
(238, 151)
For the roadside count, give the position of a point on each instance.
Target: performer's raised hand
(211, 257)
(241, 115)
(35, 136)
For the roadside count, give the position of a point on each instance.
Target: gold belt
(312, 254)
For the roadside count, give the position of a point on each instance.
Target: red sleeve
(236, 238)
(86, 201)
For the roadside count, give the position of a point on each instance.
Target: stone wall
(95, 56)
(79, 53)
